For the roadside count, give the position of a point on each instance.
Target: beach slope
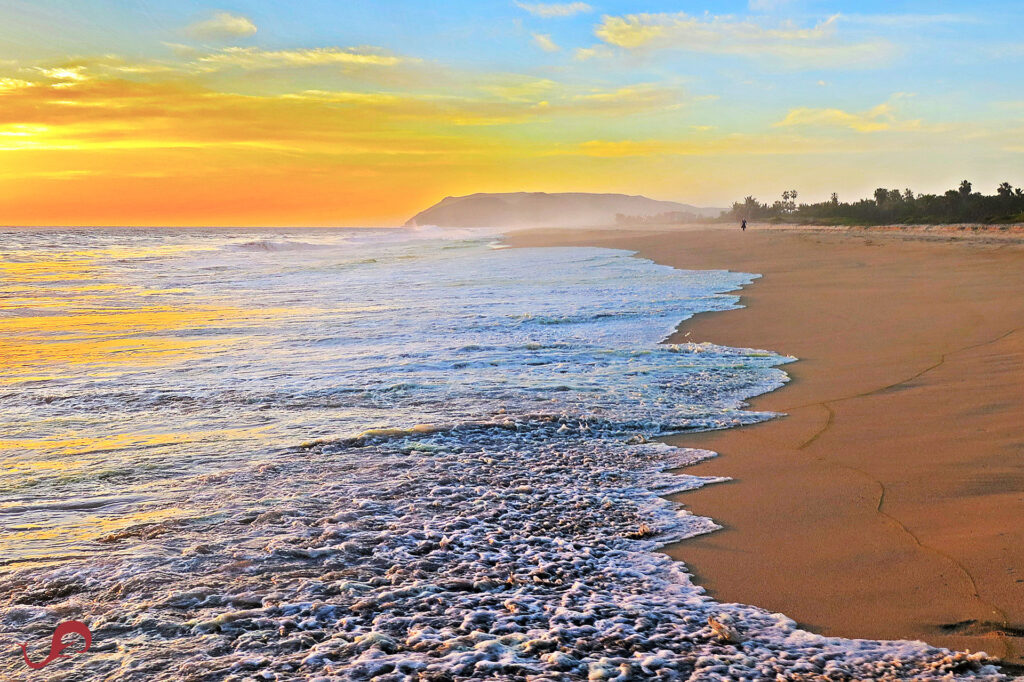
(889, 503)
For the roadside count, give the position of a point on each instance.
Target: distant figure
(743, 226)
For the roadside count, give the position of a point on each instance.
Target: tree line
(891, 206)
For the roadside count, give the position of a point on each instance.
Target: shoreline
(886, 505)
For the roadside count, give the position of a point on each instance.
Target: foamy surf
(478, 496)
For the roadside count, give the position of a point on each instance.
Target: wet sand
(889, 503)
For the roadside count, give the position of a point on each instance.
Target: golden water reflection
(62, 310)
(71, 314)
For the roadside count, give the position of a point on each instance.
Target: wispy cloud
(544, 42)
(708, 33)
(223, 25)
(632, 99)
(814, 46)
(521, 89)
(879, 118)
(13, 84)
(68, 74)
(706, 146)
(644, 93)
(182, 50)
(255, 58)
(711, 143)
(556, 9)
(72, 72)
(583, 54)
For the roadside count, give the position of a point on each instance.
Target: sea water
(353, 454)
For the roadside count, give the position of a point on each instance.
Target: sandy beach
(889, 503)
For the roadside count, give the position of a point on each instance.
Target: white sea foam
(478, 495)
(274, 245)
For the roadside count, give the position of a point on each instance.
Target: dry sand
(890, 502)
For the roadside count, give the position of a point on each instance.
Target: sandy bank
(890, 502)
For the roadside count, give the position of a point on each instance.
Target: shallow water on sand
(400, 453)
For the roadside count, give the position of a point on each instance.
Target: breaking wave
(423, 479)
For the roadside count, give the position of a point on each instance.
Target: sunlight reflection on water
(133, 361)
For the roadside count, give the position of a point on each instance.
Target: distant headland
(568, 209)
(580, 209)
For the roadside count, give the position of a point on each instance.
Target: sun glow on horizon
(343, 116)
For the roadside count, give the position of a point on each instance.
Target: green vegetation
(890, 207)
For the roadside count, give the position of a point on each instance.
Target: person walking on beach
(743, 226)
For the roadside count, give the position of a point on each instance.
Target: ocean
(397, 454)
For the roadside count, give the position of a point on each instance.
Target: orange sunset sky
(323, 113)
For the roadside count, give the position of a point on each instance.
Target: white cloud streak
(223, 25)
(544, 42)
(814, 47)
(255, 58)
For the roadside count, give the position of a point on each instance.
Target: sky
(260, 112)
